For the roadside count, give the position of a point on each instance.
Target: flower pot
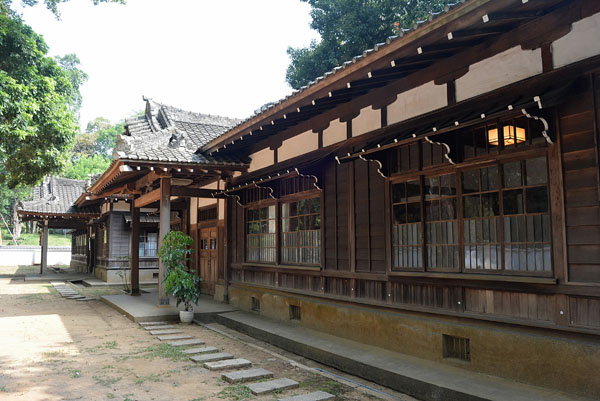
(186, 316)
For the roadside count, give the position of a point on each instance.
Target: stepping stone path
(163, 327)
(219, 356)
(316, 396)
(68, 292)
(228, 364)
(174, 337)
(159, 332)
(214, 360)
(272, 385)
(202, 350)
(184, 343)
(241, 376)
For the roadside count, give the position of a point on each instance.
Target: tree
(347, 28)
(51, 5)
(70, 63)
(85, 166)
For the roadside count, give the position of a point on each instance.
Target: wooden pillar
(44, 263)
(165, 226)
(134, 249)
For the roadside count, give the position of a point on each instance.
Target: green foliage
(183, 285)
(347, 28)
(86, 165)
(70, 63)
(51, 5)
(36, 123)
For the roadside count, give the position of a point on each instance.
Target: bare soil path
(52, 348)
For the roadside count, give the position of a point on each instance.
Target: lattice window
(148, 244)
(406, 225)
(261, 244)
(301, 232)
(441, 227)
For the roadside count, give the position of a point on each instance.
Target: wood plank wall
(578, 129)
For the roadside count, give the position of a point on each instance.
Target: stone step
(162, 332)
(219, 356)
(247, 375)
(202, 350)
(164, 326)
(272, 385)
(228, 364)
(184, 342)
(85, 299)
(75, 297)
(316, 396)
(144, 324)
(174, 337)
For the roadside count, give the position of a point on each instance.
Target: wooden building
(437, 195)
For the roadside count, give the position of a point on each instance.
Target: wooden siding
(578, 129)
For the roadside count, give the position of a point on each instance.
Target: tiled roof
(168, 134)
(56, 196)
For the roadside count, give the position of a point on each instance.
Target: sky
(224, 57)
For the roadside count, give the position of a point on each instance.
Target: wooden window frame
(521, 152)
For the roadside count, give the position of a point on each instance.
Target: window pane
(470, 181)
(432, 211)
(471, 206)
(536, 171)
(537, 200)
(448, 185)
(513, 201)
(491, 204)
(489, 178)
(512, 174)
(432, 187)
(413, 191)
(398, 192)
(413, 212)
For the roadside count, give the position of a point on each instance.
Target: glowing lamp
(512, 135)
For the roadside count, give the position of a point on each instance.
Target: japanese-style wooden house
(438, 195)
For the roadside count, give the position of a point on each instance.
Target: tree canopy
(347, 28)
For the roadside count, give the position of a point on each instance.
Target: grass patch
(153, 377)
(110, 395)
(34, 239)
(235, 393)
(106, 381)
(164, 351)
(54, 354)
(3, 389)
(323, 384)
(104, 346)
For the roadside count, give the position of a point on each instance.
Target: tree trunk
(15, 219)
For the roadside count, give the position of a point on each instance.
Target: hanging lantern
(511, 135)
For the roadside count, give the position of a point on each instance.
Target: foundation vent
(255, 304)
(457, 348)
(295, 312)
(154, 275)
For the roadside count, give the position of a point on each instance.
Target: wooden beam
(146, 180)
(134, 246)
(186, 192)
(148, 198)
(165, 226)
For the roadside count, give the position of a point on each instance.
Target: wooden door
(208, 259)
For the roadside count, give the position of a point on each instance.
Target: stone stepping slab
(75, 297)
(228, 364)
(174, 337)
(219, 356)
(247, 375)
(272, 385)
(316, 396)
(163, 327)
(160, 332)
(184, 341)
(144, 324)
(202, 350)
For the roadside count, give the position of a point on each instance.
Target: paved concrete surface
(144, 308)
(417, 377)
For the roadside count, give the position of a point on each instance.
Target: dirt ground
(52, 348)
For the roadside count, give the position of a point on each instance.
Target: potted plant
(179, 282)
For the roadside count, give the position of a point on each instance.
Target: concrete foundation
(543, 357)
(114, 276)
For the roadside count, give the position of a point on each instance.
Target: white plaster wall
(208, 201)
(31, 255)
(582, 42)
(336, 132)
(298, 145)
(497, 71)
(417, 101)
(367, 121)
(260, 159)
